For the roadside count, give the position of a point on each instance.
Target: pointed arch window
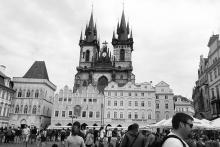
(87, 55)
(122, 55)
(28, 93)
(34, 109)
(17, 109)
(25, 109)
(37, 94)
(19, 93)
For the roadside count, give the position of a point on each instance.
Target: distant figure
(182, 126)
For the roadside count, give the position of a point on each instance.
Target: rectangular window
(63, 113)
(115, 103)
(115, 114)
(60, 99)
(129, 103)
(136, 103)
(121, 115)
(121, 93)
(56, 113)
(149, 103)
(157, 106)
(129, 115)
(215, 73)
(84, 114)
(121, 103)
(115, 93)
(166, 97)
(166, 106)
(90, 100)
(136, 115)
(69, 99)
(142, 94)
(136, 94)
(109, 93)
(109, 103)
(70, 113)
(97, 114)
(84, 100)
(90, 114)
(65, 99)
(157, 97)
(210, 76)
(94, 100)
(142, 104)
(129, 94)
(108, 115)
(219, 70)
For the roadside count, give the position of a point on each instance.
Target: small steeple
(131, 35)
(122, 31)
(113, 37)
(91, 23)
(128, 29)
(118, 31)
(81, 36)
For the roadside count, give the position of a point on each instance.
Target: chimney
(2, 68)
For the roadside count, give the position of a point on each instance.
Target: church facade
(104, 91)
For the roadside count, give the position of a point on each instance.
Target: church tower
(89, 45)
(123, 47)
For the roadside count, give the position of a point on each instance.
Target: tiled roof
(37, 71)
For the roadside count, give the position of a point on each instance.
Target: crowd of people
(181, 135)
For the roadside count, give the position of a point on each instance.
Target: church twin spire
(123, 30)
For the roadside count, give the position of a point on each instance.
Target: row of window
(158, 106)
(166, 97)
(3, 111)
(126, 94)
(70, 99)
(84, 114)
(121, 103)
(28, 93)
(5, 95)
(25, 111)
(215, 73)
(182, 109)
(130, 116)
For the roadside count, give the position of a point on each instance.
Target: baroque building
(6, 97)
(206, 92)
(32, 104)
(164, 105)
(184, 105)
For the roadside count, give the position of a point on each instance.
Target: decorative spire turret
(131, 35)
(113, 36)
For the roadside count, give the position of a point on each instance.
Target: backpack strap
(174, 136)
(134, 140)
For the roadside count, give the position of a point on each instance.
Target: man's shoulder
(172, 142)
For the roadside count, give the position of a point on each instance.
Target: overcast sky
(169, 36)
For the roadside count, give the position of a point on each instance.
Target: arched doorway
(69, 124)
(102, 83)
(58, 124)
(119, 126)
(23, 123)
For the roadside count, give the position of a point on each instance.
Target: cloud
(169, 36)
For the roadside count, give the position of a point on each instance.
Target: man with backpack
(133, 138)
(182, 125)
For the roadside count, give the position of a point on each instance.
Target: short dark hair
(180, 117)
(76, 123)
(135, 126)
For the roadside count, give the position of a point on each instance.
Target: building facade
(206, 92)
(164, 105)
(184, 105)
(131, 103)
(6, 97)
(34, 95)
(84, 105)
